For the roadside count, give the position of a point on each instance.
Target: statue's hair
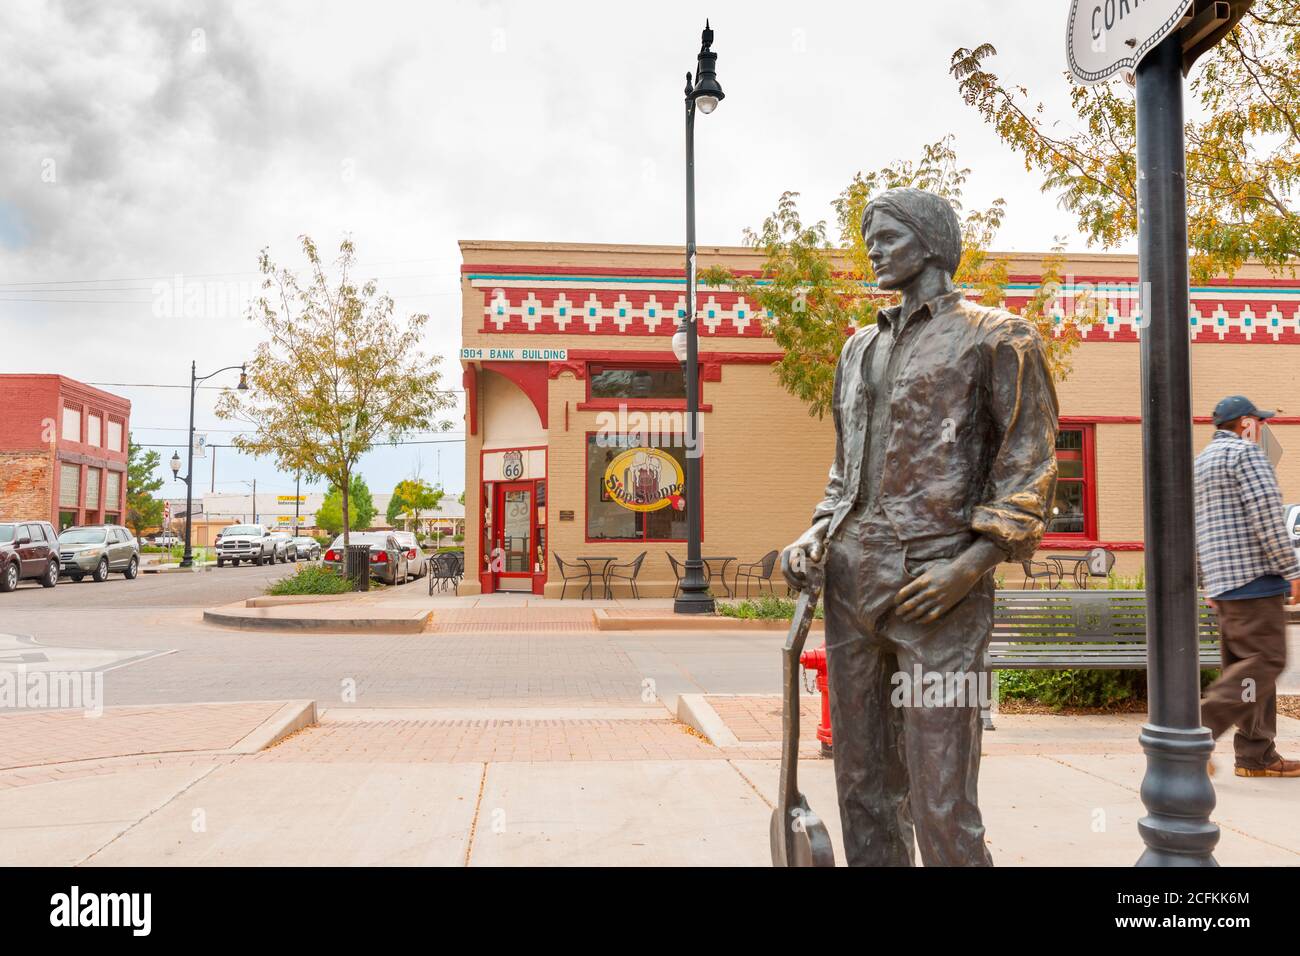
(928, 215)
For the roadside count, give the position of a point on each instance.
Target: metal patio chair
(760, 571)
(678, 571)
(1037, 570)
(625, 572)
(572, 572)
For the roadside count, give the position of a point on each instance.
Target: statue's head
(907, 230)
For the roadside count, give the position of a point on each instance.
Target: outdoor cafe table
(606, 560)
(721, 573)
(1080, 562)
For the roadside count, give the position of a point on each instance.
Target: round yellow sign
(646, 479)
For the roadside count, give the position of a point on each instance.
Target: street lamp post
(187, 559)
(704, 93)
(1176, 790)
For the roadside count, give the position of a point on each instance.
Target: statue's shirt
(947, 423)
(881, 368)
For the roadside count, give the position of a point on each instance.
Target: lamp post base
(1179, 798)
(693, 603)
(694, 596)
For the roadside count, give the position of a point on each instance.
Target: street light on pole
(704, 93)
(187, 559)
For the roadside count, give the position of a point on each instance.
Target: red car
(28, 550)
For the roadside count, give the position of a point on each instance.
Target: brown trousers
(1253, 640)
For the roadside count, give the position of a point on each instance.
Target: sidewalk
(544, 785)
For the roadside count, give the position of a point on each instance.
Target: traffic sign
(1106, 37)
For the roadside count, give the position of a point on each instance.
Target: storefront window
(635, 488)
(665, 381)
(69, 485)
(92, 489)
(1072, 512)
(112, 489)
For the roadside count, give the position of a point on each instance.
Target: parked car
(388, 561)
(415, 556)
(245, 542)
(97, 550)
(28, 551)
(285, 549)
(307, 548)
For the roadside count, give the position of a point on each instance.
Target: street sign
(200, 446)
(1106, 37)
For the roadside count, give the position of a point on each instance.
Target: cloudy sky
(145, 141)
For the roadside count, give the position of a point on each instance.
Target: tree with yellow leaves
(1243, 146)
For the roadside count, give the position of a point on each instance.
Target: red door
(514, 536)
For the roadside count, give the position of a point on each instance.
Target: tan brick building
(568, 347)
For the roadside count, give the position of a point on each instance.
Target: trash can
(356, 566)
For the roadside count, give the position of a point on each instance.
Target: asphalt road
(193, 589)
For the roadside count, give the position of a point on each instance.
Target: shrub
(311, 579)
(768, 607)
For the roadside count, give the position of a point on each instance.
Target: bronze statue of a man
(945, 465)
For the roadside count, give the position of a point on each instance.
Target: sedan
(388, 561)
(306, 548)
(415, 557)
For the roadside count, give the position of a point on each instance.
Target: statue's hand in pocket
(938, 587)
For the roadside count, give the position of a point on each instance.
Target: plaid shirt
(1240, 519)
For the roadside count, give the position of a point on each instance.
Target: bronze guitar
(799, 837)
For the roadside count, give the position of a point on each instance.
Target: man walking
(1246, 561)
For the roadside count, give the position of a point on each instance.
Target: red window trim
(586, 515)
(595, 403)
(1088, 455)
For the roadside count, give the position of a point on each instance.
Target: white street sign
(200, 446)
(1106, 37)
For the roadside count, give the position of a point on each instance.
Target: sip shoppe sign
(1108, 37)
(645, 479)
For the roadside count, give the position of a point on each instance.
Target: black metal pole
(693, 596)
(187, 559)
(1176, 790)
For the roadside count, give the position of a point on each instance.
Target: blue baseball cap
(1234, 406)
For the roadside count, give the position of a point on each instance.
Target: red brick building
(63, 450)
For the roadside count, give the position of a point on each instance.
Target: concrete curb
(278, 600)
(368, 620)
(695, 711)
(686, 622)
(292, 716)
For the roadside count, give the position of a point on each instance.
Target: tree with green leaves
(413, 496)
(1243, 145)
(143, 510)
(337, 518)
(338, 375)
(816, 286)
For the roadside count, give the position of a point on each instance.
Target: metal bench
(1080, 630)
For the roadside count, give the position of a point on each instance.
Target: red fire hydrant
(815, 660)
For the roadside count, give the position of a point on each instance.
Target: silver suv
(96, 550)
(245, 542)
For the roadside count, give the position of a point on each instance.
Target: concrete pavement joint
(179, 793)
(478, 804)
